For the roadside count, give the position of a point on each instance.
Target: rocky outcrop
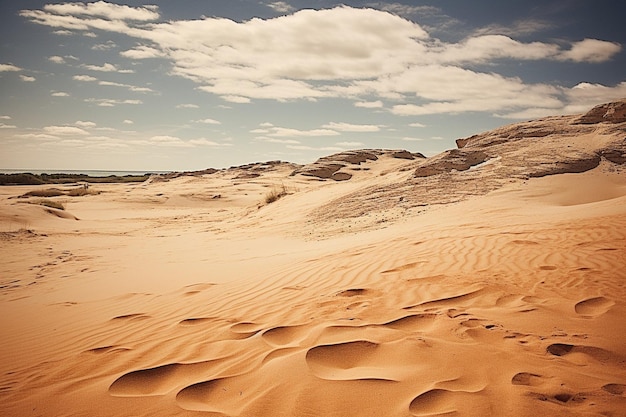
(448, 161)
(605, 113)
(335, 166)
(565, 165)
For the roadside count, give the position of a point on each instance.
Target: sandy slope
(484, 292)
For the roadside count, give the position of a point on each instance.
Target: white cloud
(236, 99)
(360, 54)
(88, 78)
(347, 127)
(106, 102)
(187, 106)
(27, 78)
(410, 139)
(207, 142)
(108, 45)
(106, 67)
(209, 121)
(63, 32)
(5, 126)
(105, 10)
(275, 131)
(85, 124)
(170, 141)
(56, 59)
(130, 87)
(591, 50)
(142, 52)
(369, 104)
(487, 48)
(37, 136)
(59, 94)
(417, 125)
(280, 6)
(9, 67)
(128, 122)
(5, 117)
(518, 28)
(65, 130)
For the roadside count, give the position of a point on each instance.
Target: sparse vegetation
(50, 203)
(49, 192)
(275, 194)
(56, 192)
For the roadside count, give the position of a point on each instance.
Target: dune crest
(487, 280)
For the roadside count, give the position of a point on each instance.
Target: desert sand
(489, 280)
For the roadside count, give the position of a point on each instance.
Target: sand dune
(485, 281)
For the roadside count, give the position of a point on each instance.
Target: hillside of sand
(489, 280)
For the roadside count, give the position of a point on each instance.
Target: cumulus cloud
(209, 121)
(85, 124)
(128, 122)
(591, 50)
(187, 106)
(65, 130)
(142, 52)
(280, 6)
(5, 126)
(480, 49)
(87, 78)
(369, 104)
(361, 54)
(108, 45)
(171, 141)
(9, 68)
(59, 94)
(27, 78)
(106, 67)
(57, 59)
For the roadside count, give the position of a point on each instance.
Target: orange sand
(166, 300)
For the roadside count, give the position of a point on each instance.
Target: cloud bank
(363, 54)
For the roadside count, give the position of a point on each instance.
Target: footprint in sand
(159, 380)
(593, 306)
(440, 402)
(285, 335)
(615, 389)
(526, 378)
(581, 354)
(360, 359)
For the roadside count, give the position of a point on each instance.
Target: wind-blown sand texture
(489, 280)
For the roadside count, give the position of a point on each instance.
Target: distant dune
(488, 280)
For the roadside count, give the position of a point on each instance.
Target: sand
(476, 292)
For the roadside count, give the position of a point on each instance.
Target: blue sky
(190, 84)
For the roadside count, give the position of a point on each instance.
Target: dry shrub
(50, 203)
(275, 194)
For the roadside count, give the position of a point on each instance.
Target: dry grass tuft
(50, 203)
(275, 194)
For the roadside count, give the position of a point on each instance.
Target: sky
(192, 84)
